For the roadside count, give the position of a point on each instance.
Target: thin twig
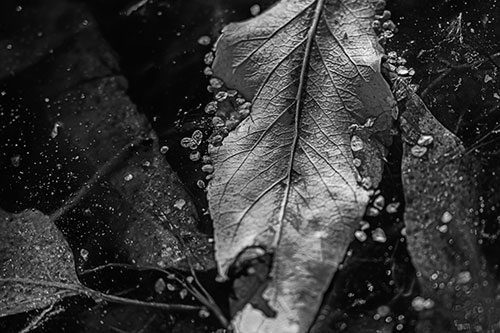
(204, 297)
(102, 172)
(435, 82)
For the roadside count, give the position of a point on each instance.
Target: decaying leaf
(85, 101)
(442, 198)
(33, 249)
(285, 178)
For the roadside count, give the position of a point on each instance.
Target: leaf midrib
(298, 112)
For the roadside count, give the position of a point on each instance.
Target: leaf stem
(98, 296)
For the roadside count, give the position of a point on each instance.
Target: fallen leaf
(285, 180)
(33, 249)
(442, 198)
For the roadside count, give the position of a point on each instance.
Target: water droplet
(232, 93)
(367, 183)
(197, 136)
(164, 149)
(218, 122)
(208, 58)
(356, 143)
(378, 235)
(160, 286)
(170, 287)
(180, 203)
(187, 142)
(84, 253)
(392, 208)
(372, 212)
(205, 159)
(383, 310)
(216, 83)
(201, 184)
(204, 313)
(418, 151)
(446, 217)
(425, 140)
(379, 202)
(360, 235)
(211, 107)
(419, 303)
(255, 10)
(208, 168)
(208, 71)
(221, 96)
(195, 156)
(204, 40)
(443, 228)
(128, 177)
(364, 225)
(401, 70)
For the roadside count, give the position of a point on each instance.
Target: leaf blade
(285, 181)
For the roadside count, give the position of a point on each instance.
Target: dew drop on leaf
(208, 168)
(378, 235)
(197, 136)
(446, 217)
(356, 143)
(392, 208)
(194, 156)
(360, 235)
(180, 203)
(208, 58)
(160, 286)
(418, 151)
(211, 107)
(425, 140)
(379, 202)
(186, 142)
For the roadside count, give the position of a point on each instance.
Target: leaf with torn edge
(33, 249)
(294, 177)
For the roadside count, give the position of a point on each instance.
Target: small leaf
(285, 179)
(33, 249)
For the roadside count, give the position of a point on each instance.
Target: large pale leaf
(286, 179)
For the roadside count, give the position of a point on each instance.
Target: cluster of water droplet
(383, 25)
(193, 143)
(228, 108)
(375, 208)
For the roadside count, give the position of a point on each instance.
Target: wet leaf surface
(441, 193)
(285, 180)
(33, 249)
